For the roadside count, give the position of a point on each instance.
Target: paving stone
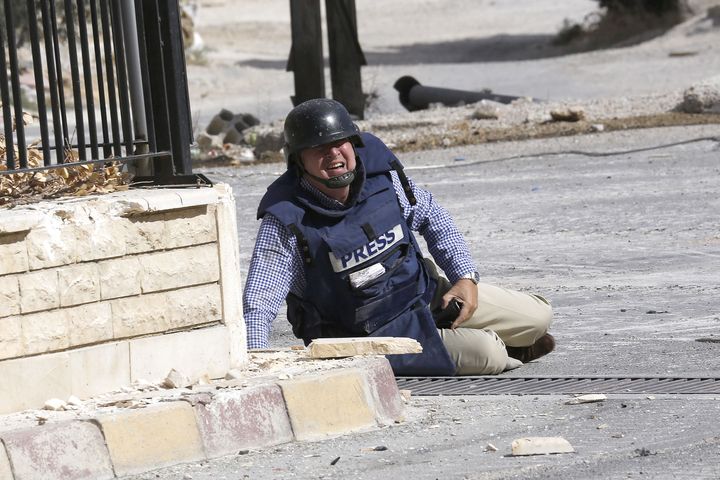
(180, 267)
(67, 450)
(28, 382)
(244, 419)
(190, 226)
(329, 404)
(11, 345)
(45, 331)
(13, 253)
(144, 233)
(120, 277)
(196, 353)
(52, 244)
(153, 437)
(347, 347)
(78, 284)
(140, 315)
(39, 291)
(194, 306)
(91, 323)
(99, 368)
(9, 295)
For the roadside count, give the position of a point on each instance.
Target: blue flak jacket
(364, 270)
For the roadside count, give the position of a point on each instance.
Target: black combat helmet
(317, 122)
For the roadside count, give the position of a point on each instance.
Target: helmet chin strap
(340, 181)
(335, 182)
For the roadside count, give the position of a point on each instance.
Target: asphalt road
(627, 247)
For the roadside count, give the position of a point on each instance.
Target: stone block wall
(98, 292)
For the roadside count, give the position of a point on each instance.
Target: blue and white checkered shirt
(276, 266)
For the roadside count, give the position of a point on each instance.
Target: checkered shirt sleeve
(276, 266)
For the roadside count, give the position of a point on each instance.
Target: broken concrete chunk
(589, 398)
(570, 114)
(176, 379)
(55, 404)
(74, 401)
(540, 446)
(348, 347)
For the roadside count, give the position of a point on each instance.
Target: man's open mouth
(335, 166)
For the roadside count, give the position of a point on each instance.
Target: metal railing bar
(52, 81)
(107, 41)
(68, 147)
(154, 155)
(59, 72)
(87, 73)
(75, 75)
(158, 82)
(145, 72)
(99, 74)
(39, 80)
(178, 96)
(116, 19)
(6, 107)
(15, 81)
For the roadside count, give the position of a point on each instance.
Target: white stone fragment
(589, 398)
(55, 404)
(347, 347)
(176, 379)
(74, 401)
(540, 446)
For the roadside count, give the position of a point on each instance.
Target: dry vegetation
(77, 180)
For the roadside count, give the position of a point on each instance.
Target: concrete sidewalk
(287, 397)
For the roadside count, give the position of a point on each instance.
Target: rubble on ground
(485, 122)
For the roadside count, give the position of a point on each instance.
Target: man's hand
(465, 291)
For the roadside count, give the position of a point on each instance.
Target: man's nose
(333, 151)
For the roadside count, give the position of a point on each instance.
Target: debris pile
(234, 139)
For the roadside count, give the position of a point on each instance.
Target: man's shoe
(541, 347)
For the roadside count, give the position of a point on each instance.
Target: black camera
(444, 317)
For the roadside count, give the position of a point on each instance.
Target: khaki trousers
(503, 317)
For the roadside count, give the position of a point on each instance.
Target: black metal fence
(109, 83)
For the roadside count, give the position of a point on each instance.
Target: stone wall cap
(19, 220)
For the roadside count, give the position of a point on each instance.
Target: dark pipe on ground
(414, 96)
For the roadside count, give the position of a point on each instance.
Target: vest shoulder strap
(397, 166)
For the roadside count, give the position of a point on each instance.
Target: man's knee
(475, 352)
(543, 316)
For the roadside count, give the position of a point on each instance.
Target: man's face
(327, 161)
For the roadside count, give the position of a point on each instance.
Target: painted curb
(206, 425)
(151, 438)
(73, 450)
(243, 419)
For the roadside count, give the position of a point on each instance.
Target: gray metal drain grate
(425, 386)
